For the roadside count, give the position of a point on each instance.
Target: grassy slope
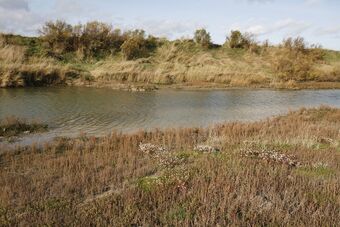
(108, 181)
(178, 63)
(186, 63)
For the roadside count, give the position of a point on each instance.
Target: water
(70, 111)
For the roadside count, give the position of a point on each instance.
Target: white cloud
(328, 31)
(289, 26)
(14, 4)
(19, 21)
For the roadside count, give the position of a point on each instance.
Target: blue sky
(316, 20)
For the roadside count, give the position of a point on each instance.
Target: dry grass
(109, 181)
(177, 63)
(12, 54)
(19, 70)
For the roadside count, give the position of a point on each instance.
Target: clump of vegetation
(239, 40)
(12, 126)
(137, 46)
(156, 178)
(94, 40)
(203, 38)
(295, 61)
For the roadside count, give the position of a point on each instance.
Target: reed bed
(230, 174)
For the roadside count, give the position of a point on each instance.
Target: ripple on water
(70, 111)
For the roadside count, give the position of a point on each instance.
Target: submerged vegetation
(280, 171)
(12, 126)
(96, 54)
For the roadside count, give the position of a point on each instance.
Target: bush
(58, 36)
(236, 40)
(242, 41)
(134, 47)
(203, 38)
(92, 40)
(96, 39)
(295, 60)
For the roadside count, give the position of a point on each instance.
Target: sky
(318, 21)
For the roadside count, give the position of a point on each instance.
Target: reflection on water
(70, 111)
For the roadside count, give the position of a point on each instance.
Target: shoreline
(143, 87)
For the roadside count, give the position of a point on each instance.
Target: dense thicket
(295, 60)
(94, 40)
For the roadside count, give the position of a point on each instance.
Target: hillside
(28, 61)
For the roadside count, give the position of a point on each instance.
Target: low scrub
(264, 173)
(294, 60)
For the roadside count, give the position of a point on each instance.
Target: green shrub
(203, 38)
(237, 40)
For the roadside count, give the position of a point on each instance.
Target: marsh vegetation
(279, 171)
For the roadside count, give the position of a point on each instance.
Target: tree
(96, 39)
(58, 36)
(203, 38)
(236, 40)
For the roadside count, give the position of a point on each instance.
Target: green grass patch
(148, 184)
(320, 171)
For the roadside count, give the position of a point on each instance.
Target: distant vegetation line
(96, 53)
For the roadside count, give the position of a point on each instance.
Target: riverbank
(137, 87)
(231, 174)
(25, 62)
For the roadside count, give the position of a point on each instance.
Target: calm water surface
(70, 111)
